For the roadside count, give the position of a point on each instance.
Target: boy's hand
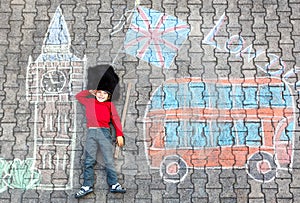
(120, 141)
(93, 92)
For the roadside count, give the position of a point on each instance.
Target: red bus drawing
(240, 123)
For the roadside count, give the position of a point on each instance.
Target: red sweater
(99, 114)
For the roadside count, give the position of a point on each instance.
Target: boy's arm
(116, 120)
(82, 96)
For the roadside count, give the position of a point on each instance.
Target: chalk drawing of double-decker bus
(240, 123)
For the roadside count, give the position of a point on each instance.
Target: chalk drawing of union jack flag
(155, 37)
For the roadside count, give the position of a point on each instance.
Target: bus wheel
(173, 169)
(261, 167)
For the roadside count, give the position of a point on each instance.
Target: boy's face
(102, 96)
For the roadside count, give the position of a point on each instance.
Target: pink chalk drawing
(238, 123)
(155, 37)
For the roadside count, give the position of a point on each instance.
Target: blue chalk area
(201, 95)
(184, 134)
(58, 33)
(287, 134)
(214, 133)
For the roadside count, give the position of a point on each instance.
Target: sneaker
(117, 188)
(84, 190)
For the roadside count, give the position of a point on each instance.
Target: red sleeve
(82, 97)
(116, 120)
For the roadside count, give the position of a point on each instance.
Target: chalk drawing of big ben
(51, 81)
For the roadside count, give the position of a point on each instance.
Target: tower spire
(57, 39)
(57, 42)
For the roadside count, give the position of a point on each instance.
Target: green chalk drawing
(19, 174)
(4, 167)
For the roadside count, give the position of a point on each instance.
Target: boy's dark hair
(103, 77)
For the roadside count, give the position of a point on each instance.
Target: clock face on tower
(53, 81)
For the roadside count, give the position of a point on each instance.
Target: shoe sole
(112, 191)
(77, 197)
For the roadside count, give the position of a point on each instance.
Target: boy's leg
(106, 147)
(90, 158)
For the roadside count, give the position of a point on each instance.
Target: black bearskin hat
(103, 77)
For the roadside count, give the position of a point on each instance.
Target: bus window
(281, 97)
(198, 134)
(225, 137)
(253, 137)
(210, 95)
(265, 96)
(183, 95)
(210, 131)
(240, 131)
(171, 138)
(198, 138)
(197, 90)
(218, 134)
(170, 101)
(277, 97)
(224, 101)
(272, 96)
(238, 97)
(250, 97)
(184, 133)
(156, 101)
(248, 133)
